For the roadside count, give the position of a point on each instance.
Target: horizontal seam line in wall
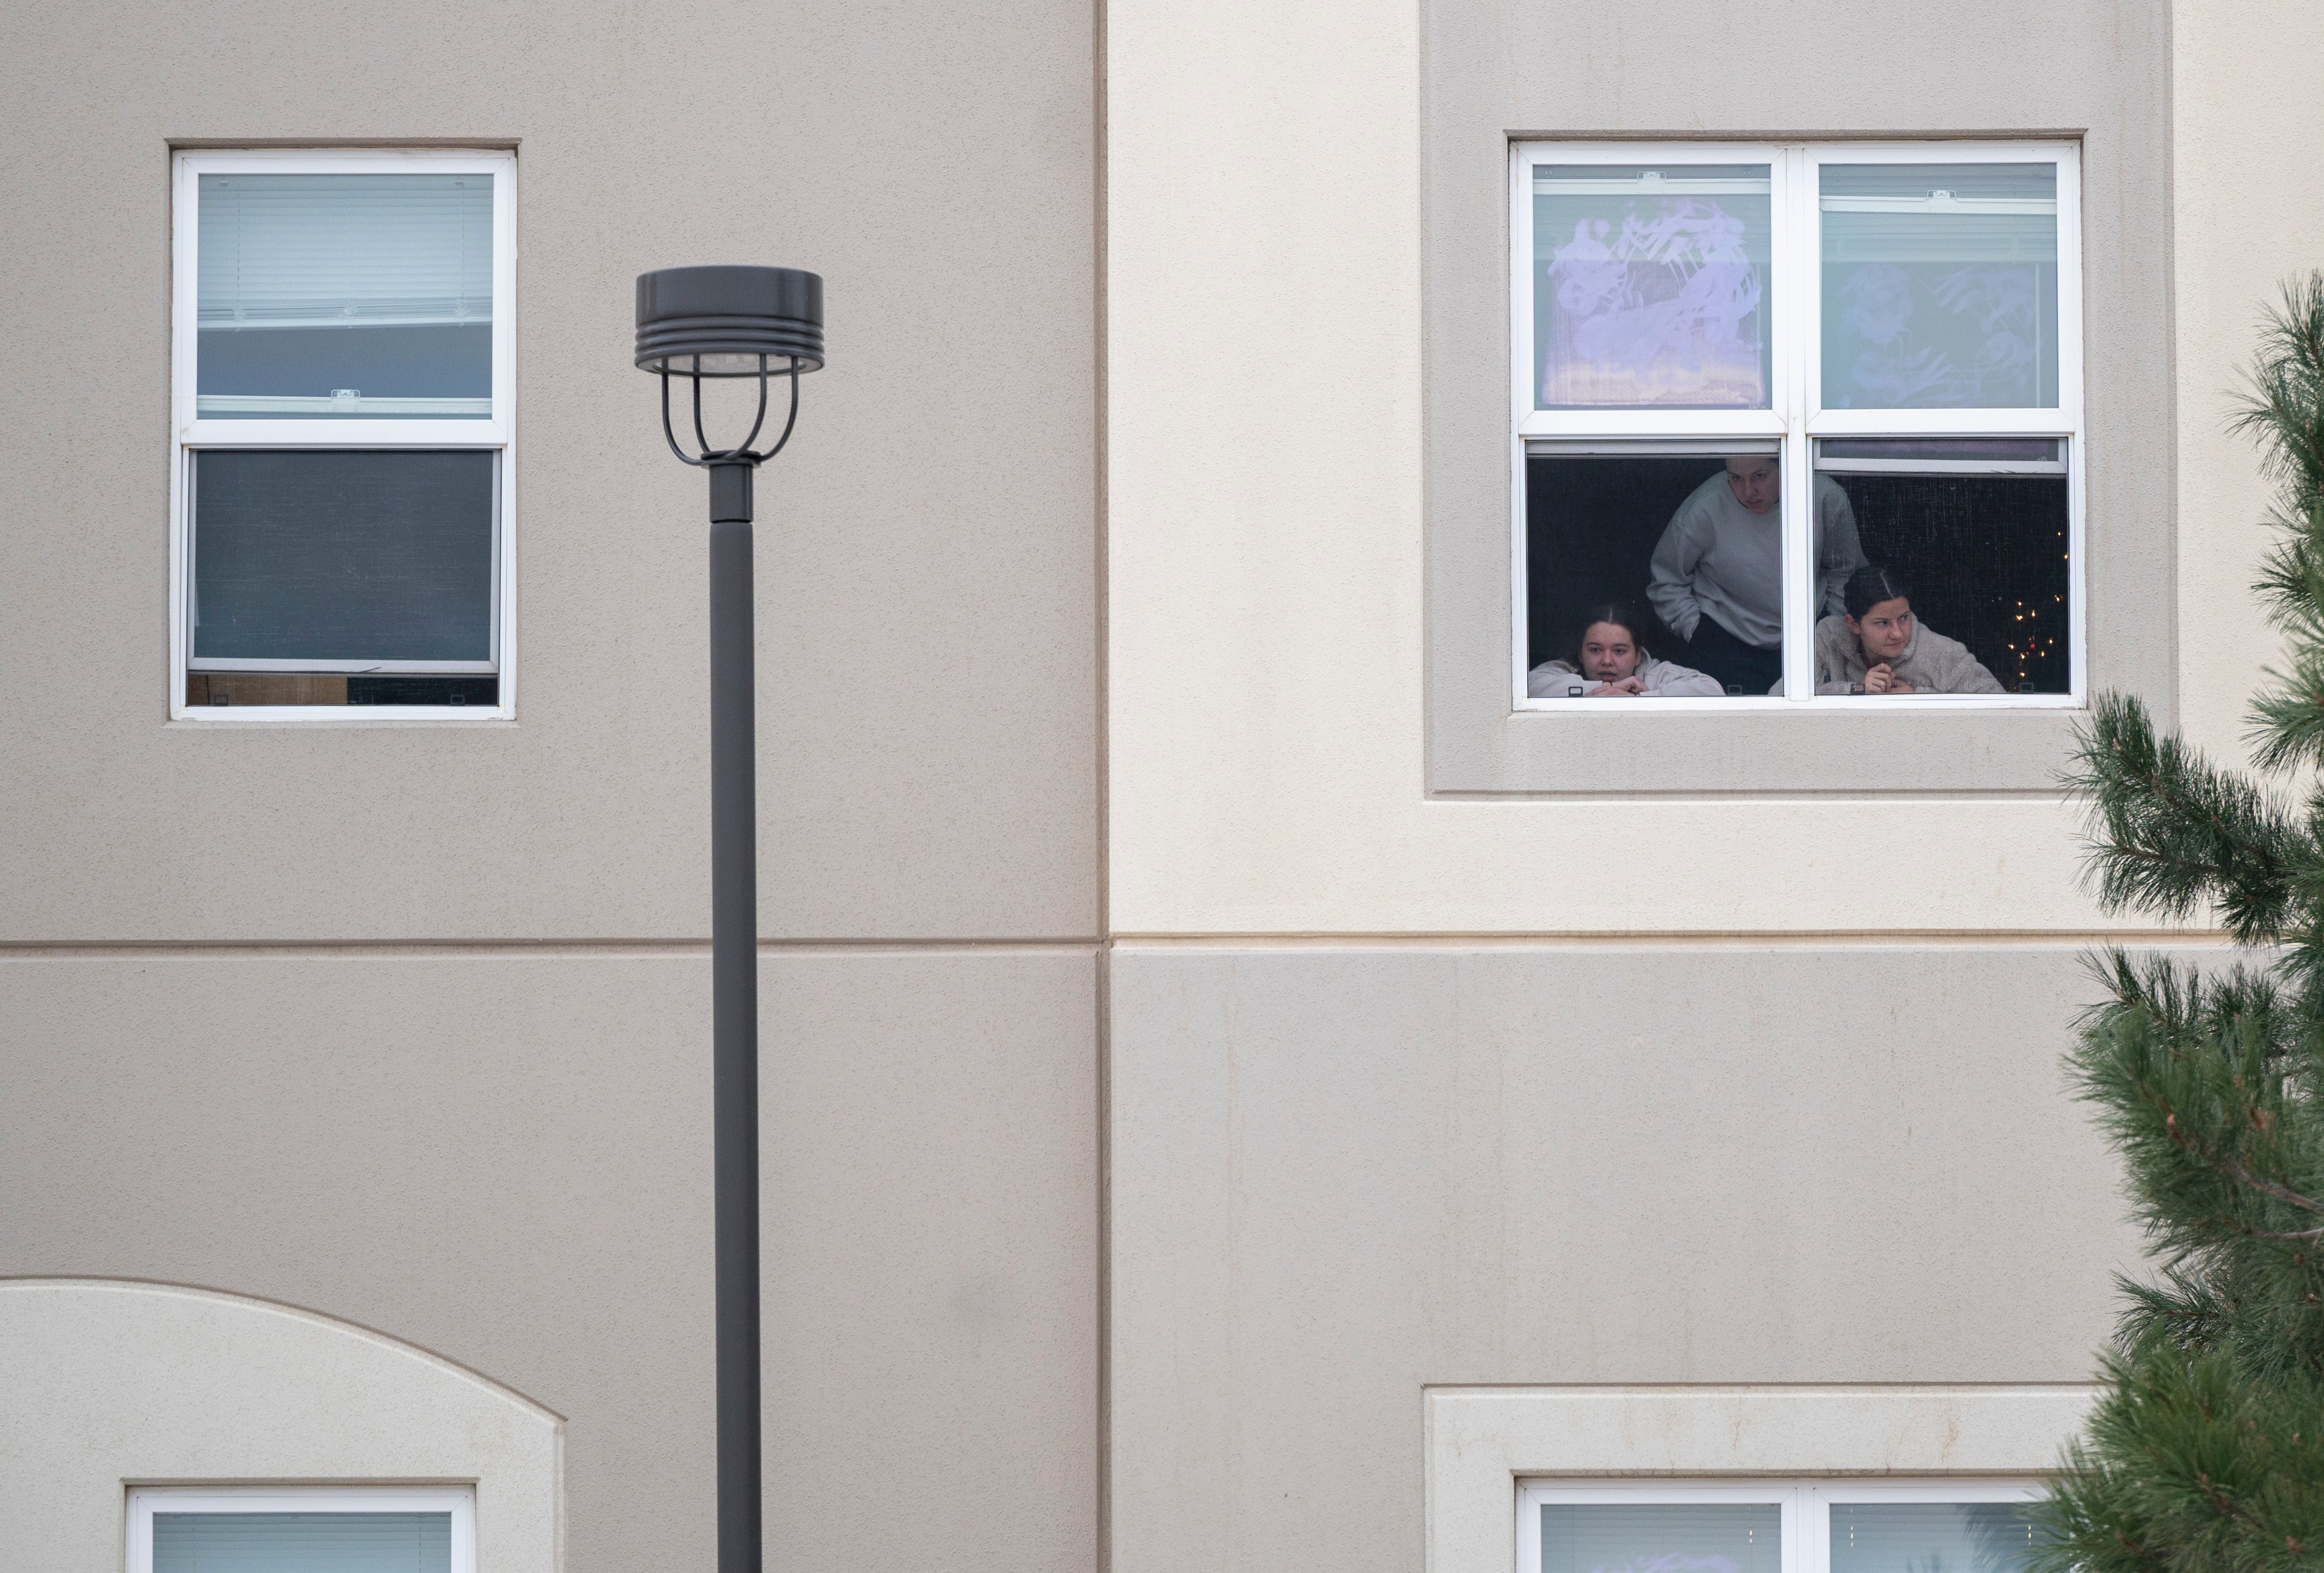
(1758, 939)
(1689, 797)
(28, 949)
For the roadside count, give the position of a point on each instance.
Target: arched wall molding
(289, 1307)
(109, 1383)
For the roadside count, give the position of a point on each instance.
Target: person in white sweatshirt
(1717, 574)
(1878, 647)
(1608, 662)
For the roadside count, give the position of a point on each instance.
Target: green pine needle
(2206, 1451)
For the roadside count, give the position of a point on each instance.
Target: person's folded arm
(1684, 683)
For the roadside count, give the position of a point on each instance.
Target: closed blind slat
(321, 250)
(1660, 1538)
(303, 1543)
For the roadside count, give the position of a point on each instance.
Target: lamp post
(765, 323)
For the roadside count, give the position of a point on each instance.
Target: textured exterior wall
(1411, 1090)
(2241, 96)
(107, 1382)
(505, 1160)
(1343, 1175)
(1270, 590)
(409, 1025)
(477, 1116)
(926, 544)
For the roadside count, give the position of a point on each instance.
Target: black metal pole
(734, 1010)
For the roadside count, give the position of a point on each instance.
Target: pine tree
(2205, 1453)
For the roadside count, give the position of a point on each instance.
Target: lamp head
(729, 321)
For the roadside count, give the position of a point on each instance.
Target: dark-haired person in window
(1609, 661)
(1717, 576)
(1878, 647)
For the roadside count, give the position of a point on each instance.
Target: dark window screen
(1591, 524)
(1984, 559)
(343, 555)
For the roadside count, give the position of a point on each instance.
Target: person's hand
(1626, 688)
(1883, 679)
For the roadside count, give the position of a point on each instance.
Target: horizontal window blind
(1684, 1537)
(1931, 1537)
(303, 1543)
(345, 250)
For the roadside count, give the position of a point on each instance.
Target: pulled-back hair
(1618, 613)
(1870, 585)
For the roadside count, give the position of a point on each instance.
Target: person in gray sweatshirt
(1608, 662)
(1878, 647)
(1717, 574)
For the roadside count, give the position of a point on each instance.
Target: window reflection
(1650, 286)
(1939, 286)
(1689, 1537)
(1931, 1537)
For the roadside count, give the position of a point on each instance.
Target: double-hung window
(1958, 1526)
(1797, 425)
(343, 425)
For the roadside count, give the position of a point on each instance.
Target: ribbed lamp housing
(716, 322)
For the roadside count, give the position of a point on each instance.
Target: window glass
(1931, 1537)
(1683, 544)
(1968, 543)
(303, 1543)
(343, 556)
(345, 296)
(1692, 1537)
(1650, 286)
(1939, 286)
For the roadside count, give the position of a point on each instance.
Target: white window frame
(1807, 1505)
(190, 433)
(1795, 418)
(145, 1501)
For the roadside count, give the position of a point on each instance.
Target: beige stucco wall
(1341, 1175)
(105, 1386)
(504, 1159)
(926, 544)
(2245, 110)
(476, 1117)
(1267, 583)
(410, 1024)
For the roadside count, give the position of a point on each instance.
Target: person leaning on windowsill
(1717, 576)
(1878, 647)
(1610, 662)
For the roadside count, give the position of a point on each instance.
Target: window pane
(1650, 286)
(1690, 1537)
(1931, 1537)
(303, 1543)
(343, 555)
(1690, 545)
(1939, 286)
(1972, 548)
(345, 296)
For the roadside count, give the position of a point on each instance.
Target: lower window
(301, 1530)
(1955, 1526)
(344, 576)
(1663, 570)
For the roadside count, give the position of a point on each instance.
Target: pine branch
(2171, 833)
(2206, 1451)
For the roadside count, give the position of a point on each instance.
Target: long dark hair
(1622, 616)
(1870, 585)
